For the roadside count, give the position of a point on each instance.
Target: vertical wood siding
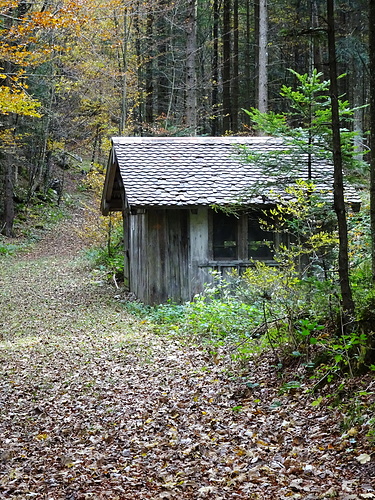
(138, 271)
(126, 225)
(170, 253)
(159, 253)
(199, 251)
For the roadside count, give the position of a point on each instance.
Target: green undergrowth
(210, 320)
(10, 248)
(108, 263)
(107, 258)
(32, 222)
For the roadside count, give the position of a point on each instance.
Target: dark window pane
(225, 230)
(260, 242)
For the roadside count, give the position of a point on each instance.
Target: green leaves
(290, 386)
(307, 124)
(307, 328)
(270, 123)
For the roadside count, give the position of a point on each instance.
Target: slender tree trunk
(191, 70)
(249, 98)
(338, 187)
(149, 111)
(263, 57)
(317, 46)
(235, 79)
(358, 116)
(138, 125)
(9, 213)
(372, 129)
(226, 65)
(256, 52)
(162, 80)
(45, 157)
(124, 90)
(315, 59)
(215, 69)
(6, 167)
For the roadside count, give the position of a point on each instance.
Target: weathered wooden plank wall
(156, 258)
(177, 254)
(137, 242)
(126, 226)
(170, 253)
(199, 250)
(159, 252)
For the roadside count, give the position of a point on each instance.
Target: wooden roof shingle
(200, 171)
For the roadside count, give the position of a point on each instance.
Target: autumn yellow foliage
(98, 229)
(18, 102)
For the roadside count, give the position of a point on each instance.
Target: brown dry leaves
(93, 405)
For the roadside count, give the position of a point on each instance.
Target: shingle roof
(195, 171)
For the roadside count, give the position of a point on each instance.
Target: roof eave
(113, 185)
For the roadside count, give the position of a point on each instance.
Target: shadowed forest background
(75, 73)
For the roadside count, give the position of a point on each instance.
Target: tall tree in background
(162, 60)
(149, 72)
(215, 68)
(372, 129)
(338, 185)
(226, 71)
(191, 70)
(263, 57)
(235, 72)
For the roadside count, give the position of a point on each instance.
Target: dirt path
(94, 406)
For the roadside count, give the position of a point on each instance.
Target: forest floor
(94, 405)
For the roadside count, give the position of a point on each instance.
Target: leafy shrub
(109, 257)
(99, 230)
(205, 318)
(225, 318)
(104, 235)
(8, 248)
(170, 315)
(216, 318)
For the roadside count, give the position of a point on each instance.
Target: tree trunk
(162, 80)
(315, 45)
(215, 69)
(226, 66)
(249, 87)
(256, 53)
(235, 79)
(9, 214)
(191, 71)
(45, 155)
(6, 167)
(138, 111)
(124, 89)
(149, 105)
(372, 129)
(263, 58)
(338, 184)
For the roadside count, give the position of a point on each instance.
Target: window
(225, 236)
(260, 242)
(241, 238)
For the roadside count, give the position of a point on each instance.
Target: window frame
(242, 239)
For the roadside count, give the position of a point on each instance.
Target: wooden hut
(168, 188)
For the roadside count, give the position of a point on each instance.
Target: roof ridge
(197, 139)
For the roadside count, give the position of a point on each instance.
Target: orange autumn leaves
(30, 36)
